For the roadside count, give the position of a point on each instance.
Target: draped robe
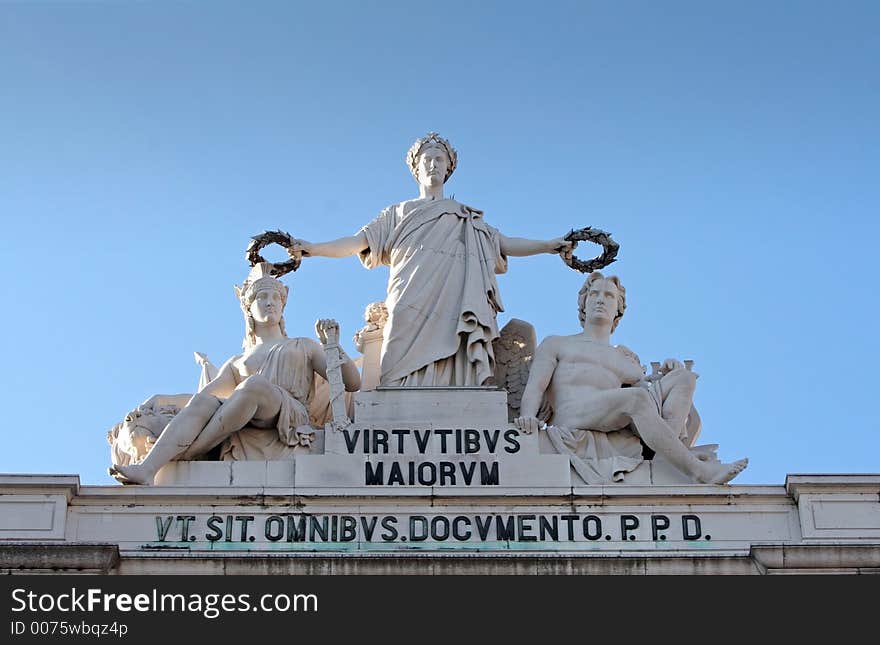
(442, 294)
(288, 367)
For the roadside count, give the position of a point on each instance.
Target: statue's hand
(671, 364)
(565, 248)
(328, 331)
(299, 249)
(528, 424)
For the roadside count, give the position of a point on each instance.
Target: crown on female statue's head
(429, 140)
(258, 279)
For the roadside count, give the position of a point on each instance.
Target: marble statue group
(437, 328)
(442, 297)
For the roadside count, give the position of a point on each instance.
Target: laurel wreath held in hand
(588, 234)
(596, 236)
(264, 239)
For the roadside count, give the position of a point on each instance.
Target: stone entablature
(451, 446)
(814, 522)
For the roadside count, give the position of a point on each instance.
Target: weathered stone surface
(227, 473)
(826, 514)
(449, 406)
(33, 557)
(638, 530)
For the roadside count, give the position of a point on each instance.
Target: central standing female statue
(442, 295)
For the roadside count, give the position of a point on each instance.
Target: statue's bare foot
(131, 474)
(722, 473)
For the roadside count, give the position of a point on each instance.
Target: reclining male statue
(586, 380)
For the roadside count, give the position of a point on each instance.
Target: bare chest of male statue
(585, 364)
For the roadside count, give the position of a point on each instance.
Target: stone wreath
(596, 236)
(588, 234)
(264, 239)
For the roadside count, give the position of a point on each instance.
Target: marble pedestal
(428, 482)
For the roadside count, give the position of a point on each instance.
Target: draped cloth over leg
(442, 294)
(603, 457)
(598, 457)
(290, 371)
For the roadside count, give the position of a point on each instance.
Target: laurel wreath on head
(596, 236)
(264, 239)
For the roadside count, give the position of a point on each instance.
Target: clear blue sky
(732, 149)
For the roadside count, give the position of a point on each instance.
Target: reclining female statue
(268, 385)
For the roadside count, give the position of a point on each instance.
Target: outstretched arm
(341, 248)
(520, 246)
(543, 365)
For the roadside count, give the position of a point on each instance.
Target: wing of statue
(513, 350)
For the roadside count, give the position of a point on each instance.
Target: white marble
(443, 257)
(718, 529)
(597, 421)
(199, 474)
(368, 341)
(268, 385)
(430, 440)
(470, 407)
(486, 472)
(828, 513)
